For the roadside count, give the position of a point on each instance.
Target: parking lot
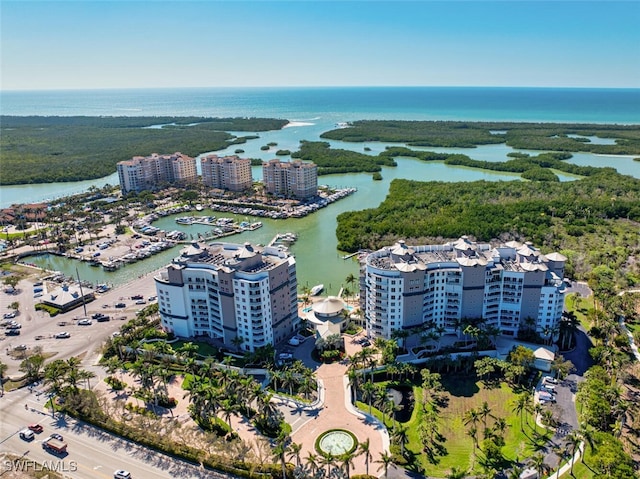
(82, 338)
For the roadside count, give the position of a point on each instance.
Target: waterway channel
(317, 258)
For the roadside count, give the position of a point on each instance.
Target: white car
(121, 474)
(27, 435)
(10, 315)
(62, 335)
(85, 322)
(550, 380)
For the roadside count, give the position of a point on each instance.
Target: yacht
(317, 289)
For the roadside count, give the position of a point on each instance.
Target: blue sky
(140, 44)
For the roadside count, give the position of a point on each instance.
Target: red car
(36, 428)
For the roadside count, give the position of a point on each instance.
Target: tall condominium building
(226, 172)
(238, 294)
(294, 179)
(148, 172)
(510, 286)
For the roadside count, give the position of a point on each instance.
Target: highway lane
(92, 453)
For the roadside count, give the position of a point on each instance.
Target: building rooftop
(462, 252)
(230, 256)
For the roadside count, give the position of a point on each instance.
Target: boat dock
(283, 239)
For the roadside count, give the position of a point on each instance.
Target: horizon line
(248, 87)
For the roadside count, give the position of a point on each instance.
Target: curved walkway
(336, 411)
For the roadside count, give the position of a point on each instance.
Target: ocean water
(340, 104)
(312, 111)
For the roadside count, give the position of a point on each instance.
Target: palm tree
(237, 342)
(521, 405)
(472, 416)
(3, 370)
(279, 452)
(188, 350)
(456, 473)
(369, 393)
(484, 411)
(473, 434)
(312, 461)
(347, 461)
(327, 459)
(537, 462)
(401, 434)
(229, 408)
(573, 443)
(351, 279)
(365, 448)
(385, 461)
(294, 452)
(85, 375)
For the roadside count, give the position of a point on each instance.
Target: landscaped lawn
(580, 307)
(463, 394)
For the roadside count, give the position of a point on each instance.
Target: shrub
(49, 309)
(115, 383)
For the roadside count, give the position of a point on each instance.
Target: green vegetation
(283, 152)
(331, 161)
(53, 149)
(536, 136)
(592, 220)
(521, 162)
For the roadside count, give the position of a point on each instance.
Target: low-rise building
(68, 297)
(508, 287)
(242, 295)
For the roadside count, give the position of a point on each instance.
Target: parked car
(62, 335)
(546, 397)
(21, 347)
(12, 332)
(36, 428)
(120, 305)
(121, 474)
(141, 301)
(10, 315)
(137, 296)
(14, 325)
(85, 322)
(550, 380)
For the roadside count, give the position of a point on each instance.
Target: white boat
(199, 207)
(317, 289)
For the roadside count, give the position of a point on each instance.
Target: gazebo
(328, 316)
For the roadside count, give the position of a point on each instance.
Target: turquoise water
(313, 111)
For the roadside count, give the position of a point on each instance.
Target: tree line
(463, 134)
(58, 149)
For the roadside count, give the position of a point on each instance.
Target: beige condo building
(294, 179)
(510, 286)
(149, 172)
(230, 292)
(226, 172)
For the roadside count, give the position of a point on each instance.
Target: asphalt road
(85, 341)
(92, 453)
